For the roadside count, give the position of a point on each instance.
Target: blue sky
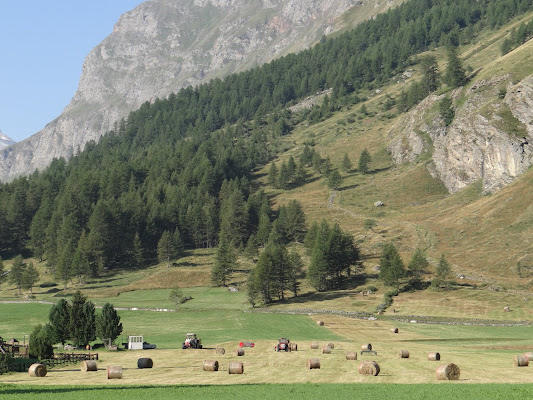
(42, 47)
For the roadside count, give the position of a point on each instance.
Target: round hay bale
(403, 353)
(433, 356)
(326, 350)
(313, 363)
(331, 345)
(220, 350)
(370, 368)
(239, 352)
(320, 323)
(210, 365)
(236, 368)
(520, 361)
(394, 330)
(37, 370)
(529, 356)
(89, 365)
(366, 347)
(145, 363)
(448, 372)
(506, 309)
(114, 372)
(314, 345)
(293, 347)
(351, 355)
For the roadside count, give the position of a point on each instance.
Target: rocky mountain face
(5, 141)
(164, 45)
(490, 138)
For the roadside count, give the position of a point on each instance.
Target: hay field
(484, 355)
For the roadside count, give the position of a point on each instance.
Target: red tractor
(192, 342)
(283, 345)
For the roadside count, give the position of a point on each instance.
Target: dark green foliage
(417, 266)
(334, 179)
(273, 175)
(82, 329)
(446, 110)
(226, 258)
(252, 247)
(108, 325)
(333, 253)
(517, 37)
(3, 273)
(391, 268)
(291, 223)
(41, 342)
(431, 76)
(30, 276)
(455, 74)
(370, 224)
(59, 318)
(443, 269)
(17, 272)
(364, 161)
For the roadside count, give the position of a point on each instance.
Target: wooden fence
(60, 359)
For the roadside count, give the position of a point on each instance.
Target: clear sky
(42, 47)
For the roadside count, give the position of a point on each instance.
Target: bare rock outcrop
(5, 141)
(490, 139)
(164, 45)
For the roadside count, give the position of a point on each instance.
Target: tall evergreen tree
(346, 163)
(41, 342)
(364, 161)
(391, 266)
(59, 318)
(165, 248)
(138, 252)
(108, 325)
(30, 276)
(17, 272)
(431, 75)
(273, 175)
(455, 74)
(263, 229)
(82, 320)
(417, 266)
(443, 269)
(334, 179)
(224, 262)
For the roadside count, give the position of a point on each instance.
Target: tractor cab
(192, 342)
(283, 345)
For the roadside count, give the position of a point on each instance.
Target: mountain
(164, 45)
(5, 141)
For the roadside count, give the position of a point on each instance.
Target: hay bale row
(351, 355)
(448, 372)
(403, 353)
(235, 368)
(89, 365)
(37, 370)
(220, 350)
(314, 345)
(370, 368)
(521, 361)
(210, 365)
(114, 372)
(313, 363)
(433, 356)
(366, 347)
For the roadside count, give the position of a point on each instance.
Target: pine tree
(273, 175)
(3, 274)
(334, 179)
(263, 229)
(16, 273)
(165, 248)
(291, 167)
(252, 247)
(417, 266)
(80, 260)
(30, 276)
(346, 163)
(138, 252)
(284, 177)
(431, 76)
(443, 269)
(108, 325)
(59, 318)
(447, 112)
(364, 160)
(224, 262)
(455, 75)
(391, 266)
(41, 342)
(82, 320)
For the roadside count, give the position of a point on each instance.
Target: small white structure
(135, 342)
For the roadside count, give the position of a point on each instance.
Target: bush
(41, 342)
(371, 289)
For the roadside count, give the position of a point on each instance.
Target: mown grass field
(271, 391)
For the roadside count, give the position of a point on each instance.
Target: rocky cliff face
(163, 45)
(5, 141)
(490, 139)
